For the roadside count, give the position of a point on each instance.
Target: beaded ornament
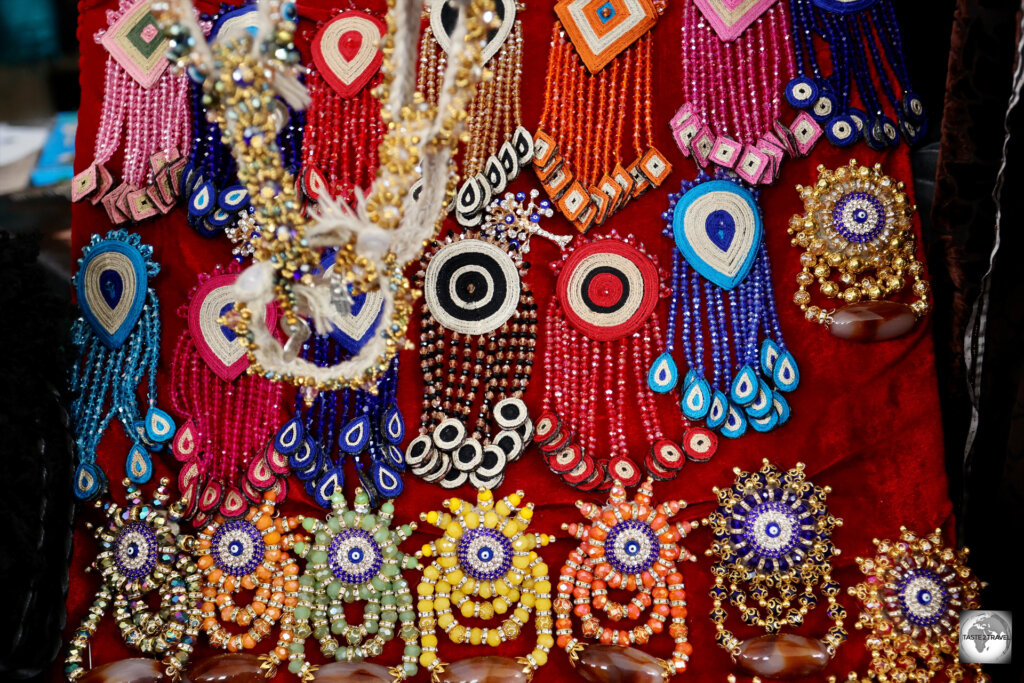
(145, 115)
(353, 555)
(229, 415)
(858, 230)
(344, 126)
(248, 554)
(476, 297)
(734, 63)
(579, 156)
(118, 337)
(217, 203)
(772, 547)
(722, 291)
(915, 590)
(625, 546)
(498, 146)
(483, 566)
(375, 239)
(141, 552)
(866, 56)
(602, 332)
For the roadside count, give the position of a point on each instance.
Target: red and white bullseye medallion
(346, 51)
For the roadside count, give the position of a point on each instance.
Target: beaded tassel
(722, 293)
(866, 56)
(118, 337)
(344, 126)
(217, 201)
(336, 425)
(582, 142)
(145, 115)
(732, 89)
(602, 335)
(228, 414)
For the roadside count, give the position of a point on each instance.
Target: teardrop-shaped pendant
(735, 424)
(718, 410)
(331, 482)
(184, 444)
(770, 353)
(744, 386)
(663, 375)
(289, 437)
(786, 373)
(762, 403)
(355, 435)
(697, 399)
(139, 466)
(159, 425)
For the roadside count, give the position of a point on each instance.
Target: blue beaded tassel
(332, 426)
(866, 51)
(723, 310)
(118, 337)
(216, 202)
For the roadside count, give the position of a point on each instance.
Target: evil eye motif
(202, 200)
(718, 410)
(236, 24)
(111, 286)
(89, 481)
(632, 547)
(289, 437)
(354, 556)
(663, 375)
(135, 550)
(735, 424)
(332, 481)
(355, 435)
(825, 106)
(770, 352)
(346, 51)
(922, 597)
(471, 286)
(717, 227)
(385, 481)
(773, 530)
(913, 107)
(159, 425)
(842, 130)
(859, 217)
(444, 16)
(139, 466)
(485, 554)
(801, 92)
(786, 374)
(697, 399)
(237, 548)
(392, 424)
(744, 386)
(233, 198)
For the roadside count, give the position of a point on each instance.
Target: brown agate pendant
(772, 547)
(486, 670)
(230, 668)
(617, 664)
(353, 672)
(135, 670)
(859, 248)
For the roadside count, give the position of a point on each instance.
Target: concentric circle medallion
(471, 286)
(354, 557)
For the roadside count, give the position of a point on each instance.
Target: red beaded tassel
(145, 115)
(229, 415)
(343, 122)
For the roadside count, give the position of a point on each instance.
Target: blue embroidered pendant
(393, 426)
(358, 323)
(118, 337)
(663, 375)
(723, 309)
(355, 435)
(289, 437)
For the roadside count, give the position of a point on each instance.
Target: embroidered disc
(730, 18)
(112, 290)
(217, 343)
(471, 286)
(601, 29)
(717, 227)
(608, 289)
(136, 42)
(443, 17)
(346, 51)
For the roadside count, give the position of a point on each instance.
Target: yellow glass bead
(445, 620)
(472, 520)
(500, 605)
(441, 604)
(543, 604)
(432, 573)
(542, 586)
(425, 605)
(513, 595)
(503, 509)
(521, 614)
(540, 657)
(448, 562)
(467, 609)
(484, 590)
(500, 587)
(457, 634)
(427, 658)
(432, 517)
(515, 499)
(424, 589)
(453, 530)
(444, 545)
(493, 638)
(546, 640)
(454, 504)
(511, 529)
(485, 495)
(540, 569)
(442, 588)
(426, 551)
(526, 513)
(454, 577)
(428, 640)
(523, 543)
(469, 585)
(521, 561)
(490, 519)
(528, 599)
(475, 636)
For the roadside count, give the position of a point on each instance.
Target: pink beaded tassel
(229, 416)
(732, 80)
(601, 340)
(145, 107)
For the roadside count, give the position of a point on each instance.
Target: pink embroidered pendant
(145, 114)
(736, 56)
(228, 415)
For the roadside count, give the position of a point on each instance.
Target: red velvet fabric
(865, 418)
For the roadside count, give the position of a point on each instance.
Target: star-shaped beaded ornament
(485, 552)
(629, 545)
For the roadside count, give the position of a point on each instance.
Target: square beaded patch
(725, 152)
(730, 18)
(601, 29)
(136, 42)
(806, 133)
(754, 165)
(655, 166)
(557, 182)
(575, 201)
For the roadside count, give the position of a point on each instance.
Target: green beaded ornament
(353, 555)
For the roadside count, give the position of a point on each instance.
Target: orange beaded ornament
(250, 554)
(581, 147)
(628, 546)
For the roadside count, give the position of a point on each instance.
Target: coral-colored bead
(623, 638)
(661, 609)
(600, 601)
(606, 636)
(656, 625)
(633, 611)
(679, 612)
(562, 641)
(581, 610)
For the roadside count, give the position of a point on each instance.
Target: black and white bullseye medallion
(450, 434)
(454, 479)
(608, 289)
(468, 456)
(509, 413)
(418, 451)
(471, 286)
(444, 15)
(509, 442)
(493, 463)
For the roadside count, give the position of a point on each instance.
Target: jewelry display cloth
(865, 418)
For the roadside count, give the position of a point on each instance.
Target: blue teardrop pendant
(306, 460)
(697, 399)
(735, 424)
(663, 375)
(718, 410)
(139, 466)
(762, 403)
(393, 425)
(770, 353)
(326, 486)
(159, 425)
(289, 437)
(764, 424)
(89, 481)
(355, 435)
(744, 386)
(786, 373)
(780, 406)
(387, 483)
